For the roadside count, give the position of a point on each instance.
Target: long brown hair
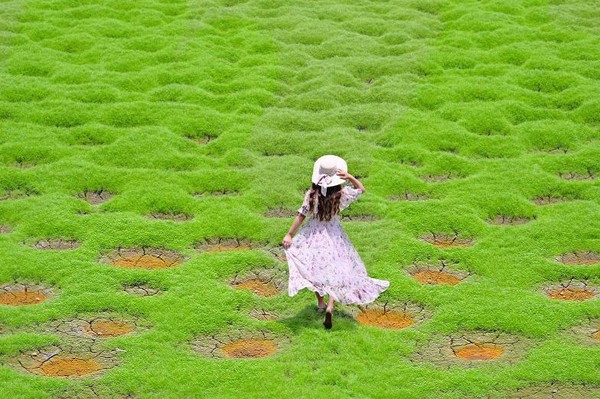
(328, 205)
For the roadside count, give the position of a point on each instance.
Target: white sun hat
(325, 169)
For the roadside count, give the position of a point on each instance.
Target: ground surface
(153, 153)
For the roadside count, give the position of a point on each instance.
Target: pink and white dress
(322, 259)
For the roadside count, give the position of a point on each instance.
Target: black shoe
(328, 322)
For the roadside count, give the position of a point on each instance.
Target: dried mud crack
(239, 344)
(96, 197)
(263, 314)
(471, 348)
(262, 282)
(443, 240)
(175, 217)
(224, 244)
(72, 359)
(579, 258)
(572, 290)
(56, 244)
(141, 289)
(22, 294)
(504, 220)
(97, 326)
(443, 273)
(552, 390)
(143, 258)
(388, 315)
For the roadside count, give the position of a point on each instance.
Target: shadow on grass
(309, 318)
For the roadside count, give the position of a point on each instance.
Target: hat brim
(340, 165)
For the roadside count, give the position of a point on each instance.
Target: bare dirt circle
(239, 344)
(390, 315)
(108, 328)
(263, 314)
(442, 240)
(572, 290)
(143, 258)
(220, 244)
(75, 358)
(24, 294)
(175, 217)
(69, 367)
(56, 243)
(259, 287)
(571, 294)
(249, 348)
(382, 319)
(95, 197)
(472, 348)
(265, 282)
(140, 289)
(4, 229)
(504, 220)
(579, 258)
(479, 351)
(435, 277)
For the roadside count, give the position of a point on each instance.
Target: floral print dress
(322, 259)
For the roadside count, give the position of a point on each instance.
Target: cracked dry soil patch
(262, 282)
(5, 229)
(357, 218)
(97, 326)
(444, 240)
(407, 196)
(95, 197)
(175, 217)
(21, 294)
(579, 258)
(263, 314)
(73, 359)
(589, 175)
(589, 331)
(224, 244)
(143, 258)
(391, 315)
(550, 199)
(141, 289)
(471, 348)
(56, 243)
(572, 290)
(552, 390)
(239, 344)
(508, 220)
(443, 273)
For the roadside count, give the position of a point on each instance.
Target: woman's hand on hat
(344, 175)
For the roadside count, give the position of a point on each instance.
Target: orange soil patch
(108, 328)
(249, 348)
(479, 352)
(447, 240)
(596, 335)
(385, 319)
(436, 277)
(21, 298)
(571, 294)
(69, 367)
(579, 258)
(143, 258)
(259, 287)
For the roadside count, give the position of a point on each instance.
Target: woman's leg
(320, 301)
(330, 304)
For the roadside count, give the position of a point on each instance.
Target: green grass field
(477, 119)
